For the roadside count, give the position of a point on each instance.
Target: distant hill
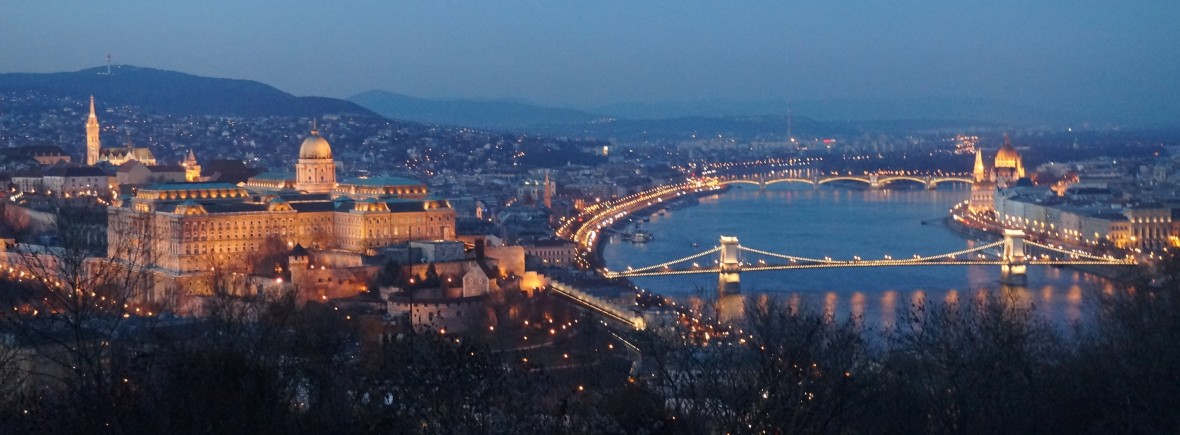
(472, 113)
(875, 109)
(744, 127)
(689, 119)
(177, 93)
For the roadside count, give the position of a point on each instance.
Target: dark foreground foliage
(982, 364)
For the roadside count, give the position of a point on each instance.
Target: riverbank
(596, 251)
(1114, 273)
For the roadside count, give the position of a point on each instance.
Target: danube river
(839, 223)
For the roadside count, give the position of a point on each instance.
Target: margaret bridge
(874, 180)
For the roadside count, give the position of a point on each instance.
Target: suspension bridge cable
(678, 260)
(785, 256)
(1076, 254)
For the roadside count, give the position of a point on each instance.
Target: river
(840, 222)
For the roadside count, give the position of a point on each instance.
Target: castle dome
(315, 147)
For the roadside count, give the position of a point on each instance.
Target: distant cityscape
(123, 224)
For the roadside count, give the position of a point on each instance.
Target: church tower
(192, 169)
(316, 171)
(983, 190)
(548, 191)
(980, 171)
(92, 143)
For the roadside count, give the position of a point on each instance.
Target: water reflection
(952, 297)
(830, 300)
(858, 309)
(1073, 312)
(843, 223)
(888, 309)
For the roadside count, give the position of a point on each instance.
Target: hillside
(472, 113)
(177, 93)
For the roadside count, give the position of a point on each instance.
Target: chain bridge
(874, 180)
(1014, 256)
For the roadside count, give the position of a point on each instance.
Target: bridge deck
(598, 305)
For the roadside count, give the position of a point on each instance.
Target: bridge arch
(790, 180)
(886, 180)
(864, 180)
(936, 181)
(740, 181)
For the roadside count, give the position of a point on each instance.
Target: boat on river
(640, 237)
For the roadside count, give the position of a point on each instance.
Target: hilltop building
(315, 173)
(192, 228)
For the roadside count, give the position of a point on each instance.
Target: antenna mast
(790, 136)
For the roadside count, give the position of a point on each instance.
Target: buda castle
(192, 228)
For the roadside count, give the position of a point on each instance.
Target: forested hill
(177, 93)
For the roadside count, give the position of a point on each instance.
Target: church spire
(980, 171)
(548, 199)
(92, 141)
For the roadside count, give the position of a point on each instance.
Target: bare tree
(75, 304)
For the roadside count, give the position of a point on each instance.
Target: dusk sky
(1056, 55)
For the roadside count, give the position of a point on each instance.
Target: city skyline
(755, 217)
(1100, 61)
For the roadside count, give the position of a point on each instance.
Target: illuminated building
(192, 228)
(315, 173)
(553, 252)
(1007, 168)
(93, 147)
(96, 154)
(192, 169)
(64, 181)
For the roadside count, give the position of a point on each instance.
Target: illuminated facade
(1008, 167)
(193, 227)
(1006, 170)
(96, 154)
(92, 144)
(192, 169)
(315, 173)
(1145, 226)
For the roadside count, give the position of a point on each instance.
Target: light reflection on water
(842, 223)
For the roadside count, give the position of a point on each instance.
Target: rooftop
(382, 181)
(275, 176)
(189, 186)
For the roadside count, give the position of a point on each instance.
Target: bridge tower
(874, 181)
(729, 280)
(1013, 270)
